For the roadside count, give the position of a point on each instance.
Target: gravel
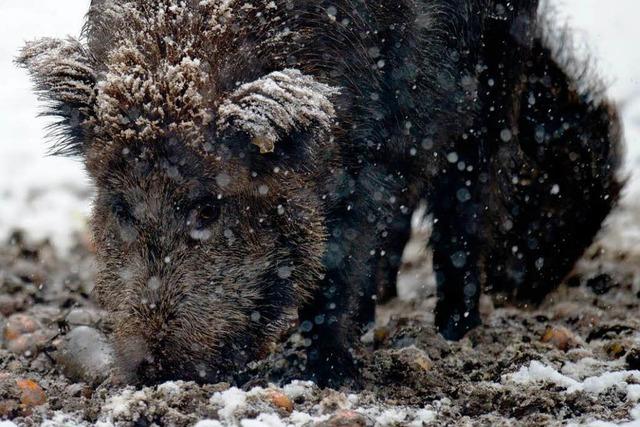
(572, 361)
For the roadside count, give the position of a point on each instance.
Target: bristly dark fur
(260, 160)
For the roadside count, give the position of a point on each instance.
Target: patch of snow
(538, 372)
(209, 423)
(423, 416)
(301, 418)
(264, 420)
(170, 387)
(64, 420)
(601, 383)
(123, 404)
(231, 400)
(297, 389)
(392, 416)
(588, 366)
(635, 422)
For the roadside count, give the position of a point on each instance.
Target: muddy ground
(574, 360)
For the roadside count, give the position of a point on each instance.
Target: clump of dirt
(575, 359)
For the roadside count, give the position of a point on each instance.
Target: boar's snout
(154, 358)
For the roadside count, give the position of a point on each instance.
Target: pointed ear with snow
(65, 80)
(271, 108)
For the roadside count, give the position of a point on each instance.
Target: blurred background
(50, 197)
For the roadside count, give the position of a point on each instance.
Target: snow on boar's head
(208, 230)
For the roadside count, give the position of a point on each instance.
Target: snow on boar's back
(258, 162)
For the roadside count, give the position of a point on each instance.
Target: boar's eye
(202, 215)
(122, 211)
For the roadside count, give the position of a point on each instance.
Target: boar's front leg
(344, 303)
(455, 242)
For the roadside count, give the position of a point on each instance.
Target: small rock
(615, 350)
(10, 304)
(601, 284)
(30, 271)
(24, 335)
(42, 363)
(633, 359)
(414, 358)
(30, 344)
(380, 335)
(79, 389)
(560, 337)
(565, 309)
(32, 394)
(82, 317)
(345, 419)
(333, 401)
(8, 389)
(280, 400)
(8, 408)
(46, 314)
(19, 324)
(85, 355)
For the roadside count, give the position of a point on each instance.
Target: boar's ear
(65, 80)
(274, 106)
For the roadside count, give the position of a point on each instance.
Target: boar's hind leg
(389, 257)
(455, 244)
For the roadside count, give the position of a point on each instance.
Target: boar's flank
(257, 162)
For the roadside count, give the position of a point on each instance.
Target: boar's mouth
(141, 363)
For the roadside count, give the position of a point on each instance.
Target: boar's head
(208, 229)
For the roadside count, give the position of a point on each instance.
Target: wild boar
(257, 162)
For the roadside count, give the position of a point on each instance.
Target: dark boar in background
(259, 161)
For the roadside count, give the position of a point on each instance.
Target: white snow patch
(401, 415)
(392, 416)
(423, 416)
(635, 422)
(232, 401)
(170, 388)
(264, 420)
(538, 372)
(209, 423)
(297, 389)
(65, 420)
(588, 367)
(122, 405)
(302, 418)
